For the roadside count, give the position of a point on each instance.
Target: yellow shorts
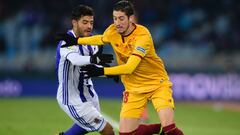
(133, 104)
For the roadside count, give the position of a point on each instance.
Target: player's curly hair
(124, 6)
(81, 10)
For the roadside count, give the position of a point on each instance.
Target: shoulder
(142, 29)
(111, 28)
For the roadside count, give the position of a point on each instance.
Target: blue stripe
(80, 87)
(81, 50)
(68, 65)
(74, 114)
(65, 81)
(90, 50)
(70, 33)
(80, 119)
(90, 91)
(85, 123)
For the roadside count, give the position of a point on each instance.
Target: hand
(69, 40)
(92, 71)
(101, 58)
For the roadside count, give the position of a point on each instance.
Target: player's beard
(80, 32)
(84, 33)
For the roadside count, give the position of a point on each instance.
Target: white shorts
(86, 115)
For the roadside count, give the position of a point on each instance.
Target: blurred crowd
(188, 34)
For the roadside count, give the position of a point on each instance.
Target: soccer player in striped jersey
(76, 95)
(142, 72)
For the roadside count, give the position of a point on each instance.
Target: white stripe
(114, 123)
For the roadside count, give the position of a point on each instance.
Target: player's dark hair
(81, 10)
(124, 6)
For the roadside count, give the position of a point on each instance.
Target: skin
(124, 26)
(83, 26)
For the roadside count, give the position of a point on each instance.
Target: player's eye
(121, 18)
(91, 22)
(84, 22)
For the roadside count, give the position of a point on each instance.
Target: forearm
(93, 40)
(127, 68)
(78, 60)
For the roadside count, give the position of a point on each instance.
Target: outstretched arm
(93, 40)
(70, 40)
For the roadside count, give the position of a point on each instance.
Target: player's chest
(124, 45)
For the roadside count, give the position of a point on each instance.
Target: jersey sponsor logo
(141, 49)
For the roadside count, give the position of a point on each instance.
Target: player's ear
(74, 22)
(132, 19)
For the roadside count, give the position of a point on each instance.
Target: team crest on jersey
(141, 49)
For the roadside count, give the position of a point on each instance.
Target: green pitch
(42, 116)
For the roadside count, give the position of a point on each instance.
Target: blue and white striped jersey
(73, 89)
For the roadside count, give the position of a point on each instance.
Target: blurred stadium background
(199, 41)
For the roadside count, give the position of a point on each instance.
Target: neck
(76, 32)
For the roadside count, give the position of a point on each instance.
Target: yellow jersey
(150, 74)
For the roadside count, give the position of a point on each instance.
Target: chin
(120, 32)
(86, 34)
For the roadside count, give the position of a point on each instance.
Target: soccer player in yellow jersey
(142, 72)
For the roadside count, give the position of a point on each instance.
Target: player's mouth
(87, 31)
(119, 28)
